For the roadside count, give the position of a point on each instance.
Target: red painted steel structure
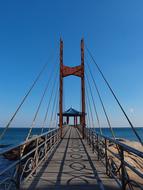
(76, 71)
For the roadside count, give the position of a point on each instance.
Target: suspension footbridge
(72, 156)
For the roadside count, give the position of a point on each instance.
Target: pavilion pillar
(67, 119)
(80, 120)
(76, 121)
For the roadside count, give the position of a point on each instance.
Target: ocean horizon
(17, 135)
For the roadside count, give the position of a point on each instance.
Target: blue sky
(30, 33)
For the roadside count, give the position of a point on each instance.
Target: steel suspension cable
(114, 95)
(23, 100)
(87, 120)
(88, 114)
(90, 109)
(54, 106)
(102, 104)
(55, 111)
(38, 109)
(108, 121)
(87, 108)
(95, 109)
(48, 106)
(56, 114)
(56, 118)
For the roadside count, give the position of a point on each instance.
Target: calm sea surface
(16, 135)
(124, 132)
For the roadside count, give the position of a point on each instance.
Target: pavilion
(72, 113)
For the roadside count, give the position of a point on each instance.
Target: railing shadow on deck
(70, 183)
(44, 166)
(62, 163)
(28, 160)
(112, 154)
(99, 182)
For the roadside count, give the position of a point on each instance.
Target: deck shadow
(79, 173)
(44, 166)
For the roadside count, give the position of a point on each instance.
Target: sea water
(123, 132)
(15, 136)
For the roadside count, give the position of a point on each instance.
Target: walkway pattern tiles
(73, 165)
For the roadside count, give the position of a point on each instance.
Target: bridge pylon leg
(61, 90)
(82, 88)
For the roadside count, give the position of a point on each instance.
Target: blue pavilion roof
(72, 112)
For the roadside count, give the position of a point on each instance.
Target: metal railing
(30, 154)
(113, 155)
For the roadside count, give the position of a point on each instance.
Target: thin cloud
(131, 110)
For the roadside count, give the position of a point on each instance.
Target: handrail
(24, 142)
(28, 162)
(124, 146)
(116, 163)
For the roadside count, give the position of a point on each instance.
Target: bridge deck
(71, 166)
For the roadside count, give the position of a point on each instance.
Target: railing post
(50, 140)
(45, 146)
(86, 134)
(56, 137)
(57, 133)
(53, 138)
(98, 147)
(36, 154)
(123, 174)
(19, 169)
(89, 137)
(106, 157)
(92, 142)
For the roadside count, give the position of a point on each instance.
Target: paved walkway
(73, 165)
